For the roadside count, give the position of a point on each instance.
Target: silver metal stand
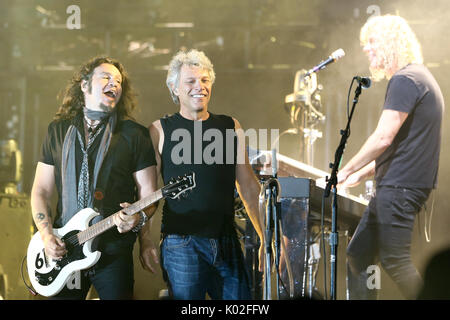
(304, 112)
(313, 265)
(269, 199)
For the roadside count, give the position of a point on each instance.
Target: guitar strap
(103, 177)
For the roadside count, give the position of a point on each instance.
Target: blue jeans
(194, 266)
(384, 235)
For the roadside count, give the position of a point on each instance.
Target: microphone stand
(272, 190)
(277, 227)
(331, 184)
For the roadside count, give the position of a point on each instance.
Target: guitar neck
(108, 223)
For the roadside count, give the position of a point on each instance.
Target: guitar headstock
(178, 186)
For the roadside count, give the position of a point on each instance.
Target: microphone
(339, 53)
(365, 82)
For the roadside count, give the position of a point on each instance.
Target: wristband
(142, 220)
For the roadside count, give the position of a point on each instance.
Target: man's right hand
(352, 181)
(55, 248)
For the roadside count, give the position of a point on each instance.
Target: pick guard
(75, 253)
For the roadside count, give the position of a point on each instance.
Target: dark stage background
(256, 46)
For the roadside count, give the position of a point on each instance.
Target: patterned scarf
(75, 198)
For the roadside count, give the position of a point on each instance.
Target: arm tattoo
(42, 220)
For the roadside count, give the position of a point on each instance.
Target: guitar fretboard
(108, 222)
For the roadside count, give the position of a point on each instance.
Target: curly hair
(397, 44)
(73, 96)
(191, 58)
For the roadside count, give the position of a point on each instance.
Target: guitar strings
(73, 240)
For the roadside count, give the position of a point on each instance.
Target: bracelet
(142, 220)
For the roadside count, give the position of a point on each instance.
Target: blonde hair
(397, 43)
(191, 58)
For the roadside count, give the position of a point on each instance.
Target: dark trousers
(112, 278)
(384, 235)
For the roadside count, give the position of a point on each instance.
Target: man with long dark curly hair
(73, 95)
(98, 157)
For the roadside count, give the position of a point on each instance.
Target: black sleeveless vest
(207, 148)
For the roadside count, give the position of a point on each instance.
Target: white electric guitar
(49, 277)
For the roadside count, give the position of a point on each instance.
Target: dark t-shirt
(208, 210)
(412, 160)
(130, 150)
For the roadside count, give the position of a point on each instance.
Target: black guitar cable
(34, 293)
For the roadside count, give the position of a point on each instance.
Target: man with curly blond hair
(402, 152)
